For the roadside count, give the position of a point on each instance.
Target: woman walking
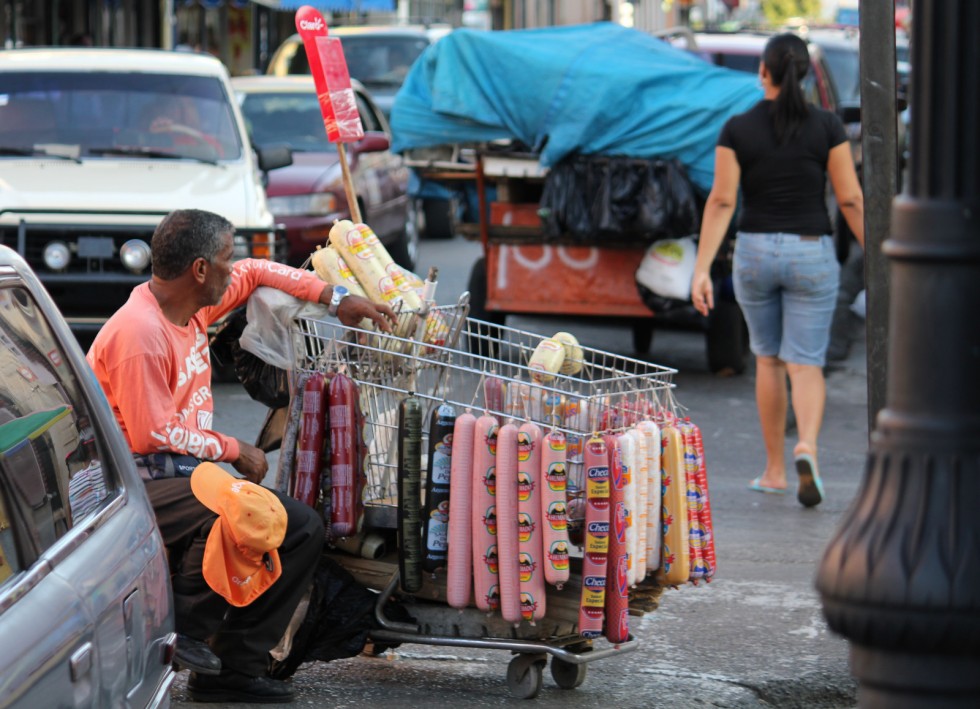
(786, 274)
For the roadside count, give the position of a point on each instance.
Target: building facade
(244, 33)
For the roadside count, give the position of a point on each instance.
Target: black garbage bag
(566, 204)
(338, 620)
(263, 382)
(594, 198)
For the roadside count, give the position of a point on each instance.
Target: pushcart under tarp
(590, 89)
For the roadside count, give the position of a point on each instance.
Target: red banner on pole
(330, 76)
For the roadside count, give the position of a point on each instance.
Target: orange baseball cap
(241, 557)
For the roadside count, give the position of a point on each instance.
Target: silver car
(86, 615)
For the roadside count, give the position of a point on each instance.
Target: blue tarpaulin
(599, 89)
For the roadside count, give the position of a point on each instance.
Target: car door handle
(81, 662)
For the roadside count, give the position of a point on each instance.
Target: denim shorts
(786, 285)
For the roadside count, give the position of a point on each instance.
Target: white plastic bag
(270, 313)
(668, 267)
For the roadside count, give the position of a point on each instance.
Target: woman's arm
(847, 188)
(718, 213)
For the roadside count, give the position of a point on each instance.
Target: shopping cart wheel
(567, 675)
(525, 674)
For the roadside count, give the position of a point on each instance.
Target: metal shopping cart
(451, 359)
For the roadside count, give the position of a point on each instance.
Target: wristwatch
(339, 293)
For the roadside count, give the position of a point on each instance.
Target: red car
(308, 196)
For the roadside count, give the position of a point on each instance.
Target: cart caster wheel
(567, 675)
(525, 674)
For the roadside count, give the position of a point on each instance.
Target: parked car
(309, 196)
(86, 614)
(378, 57)
(97, 145)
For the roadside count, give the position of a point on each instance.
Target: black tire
(438, 222)
(568, 675)
(524, 678)
(481, 338)
(642, 335)
(727, 339)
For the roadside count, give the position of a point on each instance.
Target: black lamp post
(901, 578)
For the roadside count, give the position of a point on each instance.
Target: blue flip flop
(757, 486)
(810, 492)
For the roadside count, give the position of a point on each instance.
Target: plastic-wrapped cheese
(572, 364)
(546, 360)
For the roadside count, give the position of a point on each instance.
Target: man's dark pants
(241, 637)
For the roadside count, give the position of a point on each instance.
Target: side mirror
(272, 157)
(373, 142)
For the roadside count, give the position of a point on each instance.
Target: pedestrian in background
(786, 273)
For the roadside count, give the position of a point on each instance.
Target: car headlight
(302, 205)
(135, 255)
(57, 255)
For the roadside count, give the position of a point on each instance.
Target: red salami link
(695, 538)
(484, 515)
(459, 562)
(596, 459)
(617, 569)
(554, 517)
(704, 511)
(309, 449)
(346, 476)
(529, 522)
(507, 535)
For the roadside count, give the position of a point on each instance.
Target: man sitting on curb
(152, 360)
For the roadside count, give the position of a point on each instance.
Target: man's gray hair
(183, 236)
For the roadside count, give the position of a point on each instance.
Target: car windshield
(371, 59)
(845, 71)
(287, 118)
(113, 114)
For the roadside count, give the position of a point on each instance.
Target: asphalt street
(753, 637)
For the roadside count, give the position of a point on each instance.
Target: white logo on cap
(240, 582)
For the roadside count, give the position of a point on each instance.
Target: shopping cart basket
(465, 368)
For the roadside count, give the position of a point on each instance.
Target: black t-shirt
(783, 187)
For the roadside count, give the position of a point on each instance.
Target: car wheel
(405, 249)
(437, 218)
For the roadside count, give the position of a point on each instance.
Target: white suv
(97, 145)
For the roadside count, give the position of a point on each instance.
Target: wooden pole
(355, 209)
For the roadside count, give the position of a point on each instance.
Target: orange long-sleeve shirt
(157, 375)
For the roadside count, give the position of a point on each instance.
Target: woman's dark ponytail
(787, 60)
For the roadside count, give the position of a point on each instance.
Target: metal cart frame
(611, 388)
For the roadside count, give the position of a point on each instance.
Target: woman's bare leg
(771, 398)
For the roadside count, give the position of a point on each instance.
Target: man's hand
(355, 308)
(251, 462)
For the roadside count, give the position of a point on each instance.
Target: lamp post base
(896, 680)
